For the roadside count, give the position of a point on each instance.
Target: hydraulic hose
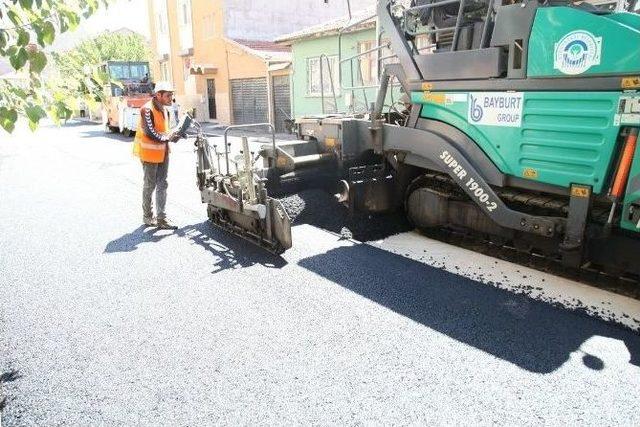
(616, 193)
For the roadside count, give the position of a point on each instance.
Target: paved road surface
(105, 322)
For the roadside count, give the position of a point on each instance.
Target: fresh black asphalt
(106, 322)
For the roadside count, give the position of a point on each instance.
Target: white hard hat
(163, 87)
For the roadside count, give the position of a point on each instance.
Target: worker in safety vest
(151, 145)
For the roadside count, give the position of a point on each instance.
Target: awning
(199, 69)
(279, 66)
(186, 52)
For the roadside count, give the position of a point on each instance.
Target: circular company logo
(576, 52)
(475, 110)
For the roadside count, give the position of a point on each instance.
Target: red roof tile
(263, 45)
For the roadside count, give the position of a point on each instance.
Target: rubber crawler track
(496, 247)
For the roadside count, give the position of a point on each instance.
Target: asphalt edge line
(557, 291)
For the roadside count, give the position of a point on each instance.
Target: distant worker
(175, 108)
(145, 85)
(151, 145)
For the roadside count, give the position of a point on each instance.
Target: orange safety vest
(146, 148)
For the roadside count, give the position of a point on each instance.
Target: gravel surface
(105, 322)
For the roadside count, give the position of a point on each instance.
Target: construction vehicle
(129, 89)
(236, 194)
(519, 123)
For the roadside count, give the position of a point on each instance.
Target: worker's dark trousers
(155, 178)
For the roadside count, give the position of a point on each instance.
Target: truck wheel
(111, 129)
(107, 124)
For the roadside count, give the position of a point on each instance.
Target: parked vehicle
(129, 89)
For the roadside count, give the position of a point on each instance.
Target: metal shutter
(281, 101)
(250, 101)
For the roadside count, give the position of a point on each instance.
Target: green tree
(27, 27)
(78, 70)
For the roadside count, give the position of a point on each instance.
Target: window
(369, 61)
(185, 29)
(187, 67)
(185, 12)
(119, 72)
(163, 25)
(164, 71)
(368, 65)
(160, 24)
(139, 71)
(313, 77)
(208, 26)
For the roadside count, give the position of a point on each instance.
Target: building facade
(316, 74)
(319, 84)
(221, 59)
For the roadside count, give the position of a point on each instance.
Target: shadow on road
(98, 132)
(7, 377)
(94, 130)
(130, 241)
(76, 124)
(229, 251)
(531, 334)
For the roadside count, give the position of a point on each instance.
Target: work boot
(165, 224)
(149, 221)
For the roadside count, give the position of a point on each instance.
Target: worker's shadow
(229, 251)
(130, 241)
